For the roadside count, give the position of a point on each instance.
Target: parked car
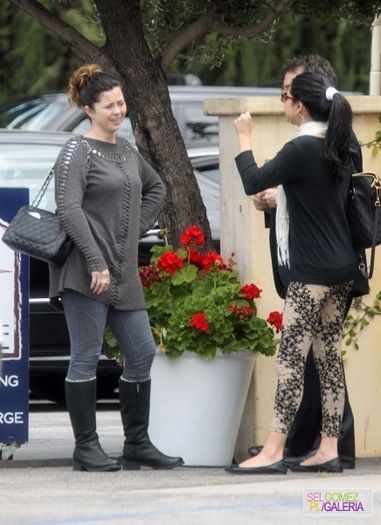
(52, 112)
(25, 159)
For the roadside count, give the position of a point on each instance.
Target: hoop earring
(300, 115)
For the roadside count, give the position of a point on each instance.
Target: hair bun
(78, 79)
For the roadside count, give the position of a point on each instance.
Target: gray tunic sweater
(107, 196)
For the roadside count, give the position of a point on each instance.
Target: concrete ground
(40, 488)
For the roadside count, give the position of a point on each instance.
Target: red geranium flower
(199, 322)
(251, 291)
(169, 262)
(210, 259)
(192, 235)
(275, 319)
(194, 257)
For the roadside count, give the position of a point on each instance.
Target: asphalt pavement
(39, 487)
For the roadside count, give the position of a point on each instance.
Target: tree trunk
(156, 131)
(155, 128)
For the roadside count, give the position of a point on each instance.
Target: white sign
(10, 299)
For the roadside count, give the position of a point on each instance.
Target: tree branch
(193, 31)
(221, 27)
(211, 22)
(77, 42)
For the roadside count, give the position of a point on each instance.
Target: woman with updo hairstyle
(312, 173)
(107, 197)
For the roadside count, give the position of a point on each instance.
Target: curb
(41, 463)
(36, 463)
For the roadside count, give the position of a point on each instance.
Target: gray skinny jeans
(86, 320)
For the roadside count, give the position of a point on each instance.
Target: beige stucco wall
(243, 232)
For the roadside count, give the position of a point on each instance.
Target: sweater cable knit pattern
(114, 293)
(69, 152)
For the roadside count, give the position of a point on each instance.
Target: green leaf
(185, 275)
(173, 354)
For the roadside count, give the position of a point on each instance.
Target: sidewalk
(186, 495)
(51, 441)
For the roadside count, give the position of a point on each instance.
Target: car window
(199, 127)
(32, 117)
(210, 192)
(208, 164)
(9, 116)
(26, 166)
(41, 117)
(209, 169)
(212, 173)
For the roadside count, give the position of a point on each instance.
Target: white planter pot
(197, 405)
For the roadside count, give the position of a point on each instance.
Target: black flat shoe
(334, 465)
(255, 450)
(295, 460)
(275, 468)
(348, 462)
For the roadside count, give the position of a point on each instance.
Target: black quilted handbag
(364, 214)
(37, 232)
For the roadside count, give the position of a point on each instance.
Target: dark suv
(25, 159)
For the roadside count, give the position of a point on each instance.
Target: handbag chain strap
(45, 184)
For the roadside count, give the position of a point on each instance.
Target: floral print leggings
(313, 314)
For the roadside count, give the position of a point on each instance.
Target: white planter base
(197, 405)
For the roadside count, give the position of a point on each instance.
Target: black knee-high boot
(138, 450)
(88, 454)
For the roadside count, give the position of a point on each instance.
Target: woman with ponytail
(312, 173)
(107, 198)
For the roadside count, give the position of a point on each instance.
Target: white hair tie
(330, 92)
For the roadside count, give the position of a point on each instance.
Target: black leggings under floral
(313, 314)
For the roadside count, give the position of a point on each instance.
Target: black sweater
(320, 241)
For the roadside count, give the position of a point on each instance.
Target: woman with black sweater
(312, 174)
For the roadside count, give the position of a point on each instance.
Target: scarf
(282, 216)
